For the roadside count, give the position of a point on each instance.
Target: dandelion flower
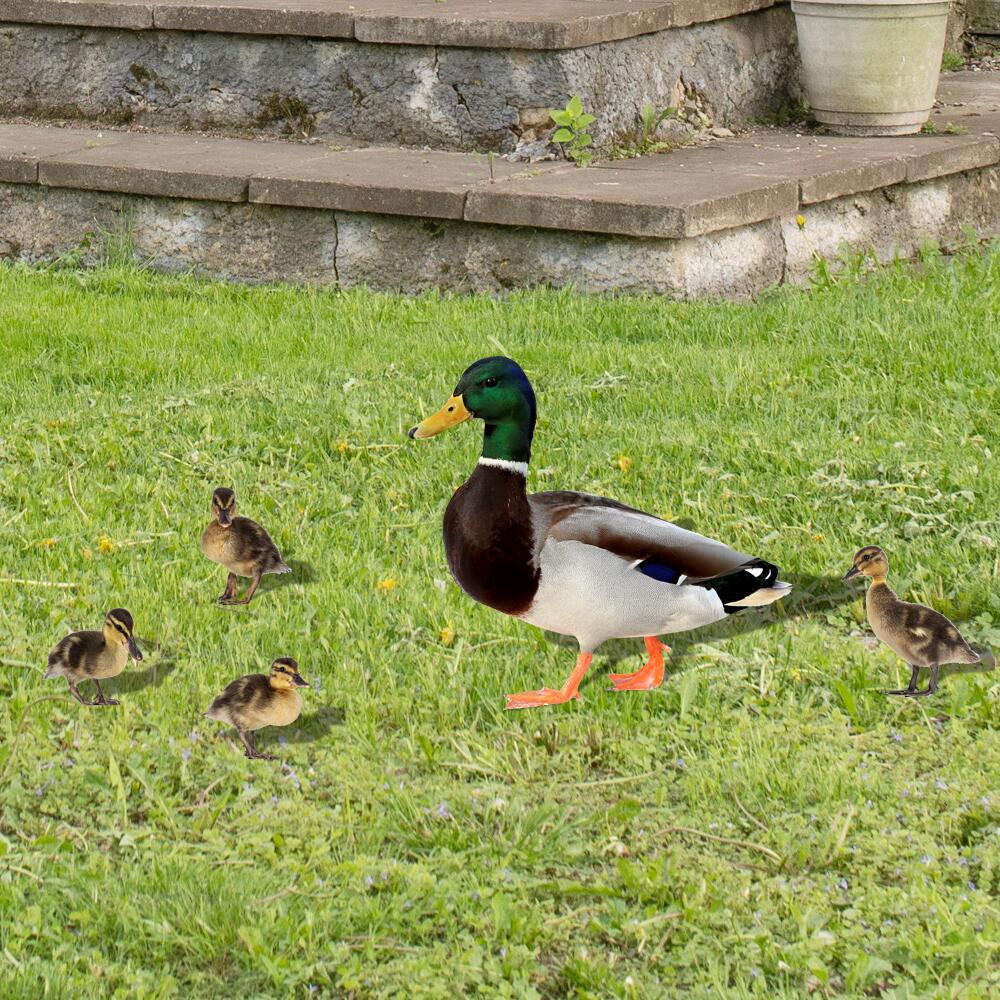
(105, 544)
(800, 221)
(623, 462)
(342, 446)
(47, 543)
(389, 583)
(447, 635)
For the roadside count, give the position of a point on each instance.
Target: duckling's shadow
(302, 573)
(310, 727)
(985, 666)
(153, 676)
(811, 594)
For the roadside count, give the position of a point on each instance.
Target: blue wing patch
(658, 571)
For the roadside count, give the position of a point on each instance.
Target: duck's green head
(496, 391)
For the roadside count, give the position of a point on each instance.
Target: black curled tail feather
(741, 583)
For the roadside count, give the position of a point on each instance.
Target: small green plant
(931, 128)
(651, 121)
(951, 62)
(572, 134)
(642, 142)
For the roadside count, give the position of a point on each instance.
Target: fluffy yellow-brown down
(255, 701)
(95, 656)
(920, 635)
(241, 545)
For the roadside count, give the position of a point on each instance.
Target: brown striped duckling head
(869, 561)
(118, 631)
(285, 674)
(224, 506)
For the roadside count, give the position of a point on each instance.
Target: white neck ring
(521, 468)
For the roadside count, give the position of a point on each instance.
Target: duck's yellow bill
(453, 412)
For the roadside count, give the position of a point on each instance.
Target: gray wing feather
(630, 534)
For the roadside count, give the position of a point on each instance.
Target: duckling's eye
(489, 382)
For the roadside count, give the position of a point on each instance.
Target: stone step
(718, 219)
(470, 75)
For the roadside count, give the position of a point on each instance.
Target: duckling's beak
(225, 518)
(453, 412)
(851, 573)
(134, 651)
(299, 681)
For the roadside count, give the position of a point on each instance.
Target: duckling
(255, 701)
(239, 544)
(90, 656)
(921, 636)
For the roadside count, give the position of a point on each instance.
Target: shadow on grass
(985, 666)
(310, 727)
(302, 572)
(130, 681)
(811, 595)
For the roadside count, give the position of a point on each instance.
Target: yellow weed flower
(800, 221)
(105, 544)
(818, 538)
(389, 583)
(447, 635)
(47, 543)
(623, 462)
(342, 447)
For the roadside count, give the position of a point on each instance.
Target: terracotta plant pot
(870, 67)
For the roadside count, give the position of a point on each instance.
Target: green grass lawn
(767, 824)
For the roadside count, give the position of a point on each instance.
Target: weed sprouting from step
(643, 141)
(788, 112)
(932, 128)
(290, 110)
(571, 133)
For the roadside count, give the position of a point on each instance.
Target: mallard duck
(94, 656)
(573, 563)
(255, 701)
(239, 544)
(921, 636)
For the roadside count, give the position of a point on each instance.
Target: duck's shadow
(302, 573)
(811, 595)
(310, 727)
(131, 681)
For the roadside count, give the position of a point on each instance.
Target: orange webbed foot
(552, 696)
(544, 696)
(650, 676)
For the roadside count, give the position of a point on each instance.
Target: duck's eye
(489, 382)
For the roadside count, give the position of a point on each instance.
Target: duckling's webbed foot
(102, 698)
(250, 747)
(908, 692)
(74, 691)
(229, 594)
(251, 590)
(931, 686)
